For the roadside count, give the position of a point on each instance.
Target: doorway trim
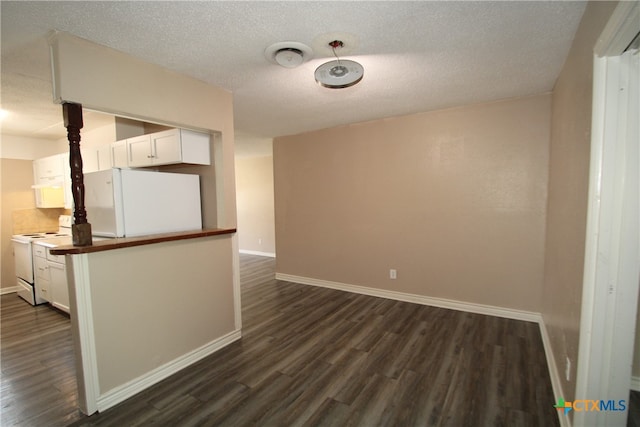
(609, 300)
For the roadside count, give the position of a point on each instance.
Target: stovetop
(43, 235)
(35, 236)
(64, 222)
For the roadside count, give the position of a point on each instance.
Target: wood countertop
(106, 244)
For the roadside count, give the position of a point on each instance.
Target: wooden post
(81, 229)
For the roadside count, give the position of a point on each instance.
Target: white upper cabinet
(48, 170)
(104, 157)
(89, 160)
(52, 175)
(169, 147)
(119, 154)
(49, 180)
(96, 159)
(139, 151)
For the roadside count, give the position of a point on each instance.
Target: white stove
(22, 248)
(30, 237)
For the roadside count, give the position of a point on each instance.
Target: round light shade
(288, 57)
(339, 74)
(288, 54)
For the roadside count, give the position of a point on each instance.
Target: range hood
(49, 195)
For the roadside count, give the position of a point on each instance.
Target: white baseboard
(528, 316)
(119, 394)
(489, 310)
(269, 254)
(10, 290)
(556, 383)
(635, 383)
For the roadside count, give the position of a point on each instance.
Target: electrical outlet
(393, 274)
(567, 369)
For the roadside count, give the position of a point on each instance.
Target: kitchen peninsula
(147, 307)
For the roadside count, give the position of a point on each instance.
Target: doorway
(612, 254)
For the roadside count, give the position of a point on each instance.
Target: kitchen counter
(54, 242)
(107, 244)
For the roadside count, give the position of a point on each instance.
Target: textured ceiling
(418, 56)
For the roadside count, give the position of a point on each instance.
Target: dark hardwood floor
(308, 356)
(38, 378)
(633, 417)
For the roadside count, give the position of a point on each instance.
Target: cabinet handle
(151, 156)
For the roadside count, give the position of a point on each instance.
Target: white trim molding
(125, 391)
(237, 293)
(635, 383)
(509, 313)
(620, 30)
(259, 253)
(86, 360)
(12, 289)
(554, 373)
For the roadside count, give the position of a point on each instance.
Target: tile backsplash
(36, 220)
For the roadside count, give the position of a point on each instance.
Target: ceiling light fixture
(289, 57)
(338, 74)
(288, 54)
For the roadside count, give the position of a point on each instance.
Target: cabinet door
(40, 268)
(48, 170)
(42, 278)
(196, 147)
(89, 160)
(119, 154)
(104, 158)
(59, 289)
(68, 196)
(166, 147)
(139, 149)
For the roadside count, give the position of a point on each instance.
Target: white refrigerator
(134, 202)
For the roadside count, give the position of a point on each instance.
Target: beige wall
(254, 187)
(95, 137)
(25, 148)
(17, 178)
(454, 200)
(568, 186)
